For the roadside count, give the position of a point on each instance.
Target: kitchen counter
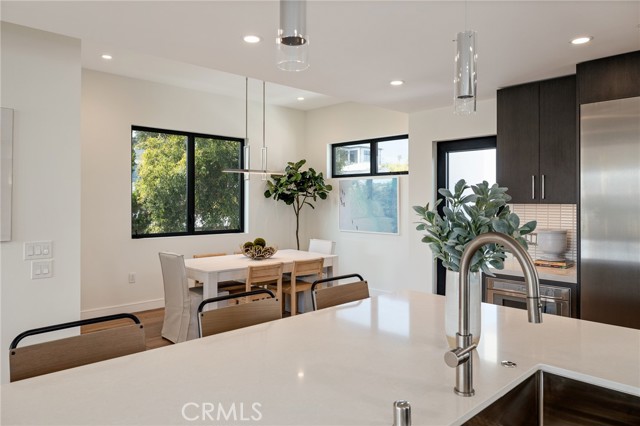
(512, 268)
(339, 366)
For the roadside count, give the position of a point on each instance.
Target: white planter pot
(451, 306)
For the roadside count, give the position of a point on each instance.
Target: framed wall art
(369, 205)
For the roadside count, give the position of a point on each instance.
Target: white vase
(451, 306)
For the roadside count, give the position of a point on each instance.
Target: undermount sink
(549, 399)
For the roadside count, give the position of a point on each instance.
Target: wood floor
(152, 321)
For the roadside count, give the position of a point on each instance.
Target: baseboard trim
(127, 307)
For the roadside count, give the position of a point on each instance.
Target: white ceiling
(356, 47)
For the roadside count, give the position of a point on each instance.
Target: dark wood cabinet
(537, 141)
(518, 141)
(605, 79)
(558, 141)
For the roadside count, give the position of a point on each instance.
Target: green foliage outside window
(159, 192)
(217, 194)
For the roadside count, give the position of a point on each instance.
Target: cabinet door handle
(533, 187)
(542, 190)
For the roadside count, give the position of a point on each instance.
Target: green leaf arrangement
(464, 218)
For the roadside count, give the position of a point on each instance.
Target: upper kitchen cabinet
(606, 79)
(537, 141)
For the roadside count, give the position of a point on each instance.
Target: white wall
(381, 259)
(388, 262)
(425, 128)
(78, 193)
(41, 82)
(110, 105)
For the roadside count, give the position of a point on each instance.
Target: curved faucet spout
(534, 308)
(461, 357)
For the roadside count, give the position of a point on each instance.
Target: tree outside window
(178, 186)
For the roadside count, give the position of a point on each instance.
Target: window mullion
(373, 157)
(191, 183)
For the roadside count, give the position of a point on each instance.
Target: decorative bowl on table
(258, 249)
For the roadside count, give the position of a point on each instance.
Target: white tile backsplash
(550, 216)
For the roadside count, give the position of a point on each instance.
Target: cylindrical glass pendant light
(464, 81)
(293, 41)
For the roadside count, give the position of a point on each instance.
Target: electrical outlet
(132, 277)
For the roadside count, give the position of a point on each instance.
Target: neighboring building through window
(178, 187)
(382, 156)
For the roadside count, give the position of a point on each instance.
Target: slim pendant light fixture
(465, 71)
(293, 42)
(247, 152)
(264, 141)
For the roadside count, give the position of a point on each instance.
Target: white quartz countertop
(340, 366)
(512, 267)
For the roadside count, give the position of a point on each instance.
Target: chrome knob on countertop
(401, 413)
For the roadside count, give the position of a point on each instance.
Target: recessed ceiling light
(300, 98)
(251, 39)
(396, 82)
(107, 56)
(581, 40)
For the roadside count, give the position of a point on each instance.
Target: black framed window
(178, 187)
(371, 157)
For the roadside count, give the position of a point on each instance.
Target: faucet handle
(455, 357)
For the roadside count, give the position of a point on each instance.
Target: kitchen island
(340, 366)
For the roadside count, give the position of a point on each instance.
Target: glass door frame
(443, 149)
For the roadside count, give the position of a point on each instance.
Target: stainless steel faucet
(461, 357)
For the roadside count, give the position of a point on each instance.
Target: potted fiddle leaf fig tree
(465, 216)
(298, 188)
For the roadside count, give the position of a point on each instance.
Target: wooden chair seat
(301, 286)
(224, 285)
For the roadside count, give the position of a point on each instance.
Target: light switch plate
(41, 269)
(38, 250)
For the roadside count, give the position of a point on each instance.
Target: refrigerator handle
(533, 187)
(542, 190)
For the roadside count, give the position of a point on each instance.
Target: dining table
(212, 270)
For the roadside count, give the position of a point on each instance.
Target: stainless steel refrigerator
(610, 212)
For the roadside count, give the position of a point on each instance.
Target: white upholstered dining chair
(180, 302)
(322, 246)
